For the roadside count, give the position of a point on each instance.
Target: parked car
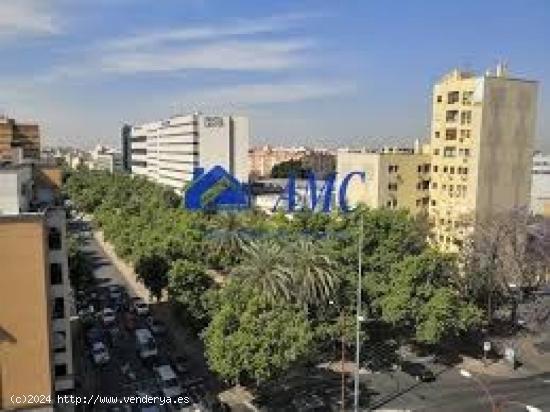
(129, 321)
(140, 307)
(145, 343)
(156, 326)
(100, 354)
(418, 371)
(168, 381)
(109, 316)
(95, 335)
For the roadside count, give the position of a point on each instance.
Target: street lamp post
(359, 317)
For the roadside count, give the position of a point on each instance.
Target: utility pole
(358, 317)
(342, 371)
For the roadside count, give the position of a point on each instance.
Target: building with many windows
(15, 135)
(35, 332)
(168, 151)
(263, 159)
(482, 138)
(395, 178)
(540, 188)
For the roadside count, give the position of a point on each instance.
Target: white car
(168, 381)
(140, 307)
(108, 316)
(100, 355)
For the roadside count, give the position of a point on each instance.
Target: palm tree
(261, 267)
(226, 236)
(312, 272)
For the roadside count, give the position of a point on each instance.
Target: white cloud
(27, 17)
(264, 93)
(207, 32)
(245, 55)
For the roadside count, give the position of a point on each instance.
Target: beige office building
(395, 178)
(482, 145)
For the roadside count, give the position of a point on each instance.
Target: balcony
(450, 134)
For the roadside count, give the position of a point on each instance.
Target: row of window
(451, 169)
(451, 151)
(453, 97)
(451, 134)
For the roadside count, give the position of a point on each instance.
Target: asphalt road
(452, 392)
(114, 378)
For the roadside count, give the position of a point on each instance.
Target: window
(58, 308)
(418, 202)
(437, 134)
(436, 168)
(465, 133)
(449, 151)
(418, 186)
(419, 168)
(467, 98)
(465, 170)
(388, 203)
(452, 170)
(433, 202)
(439, 98)
(452, 97)
(425, 184)
(451, 188)
(466, 117)
(444, 187)
(451, 115)
(434, 185)
(54, 239)
(450, 134)
(392, 186)
(467, 152)
(59, 342)
(60, 370)
(445, 169)
(426, 168)
(56, 274)
(436, 152)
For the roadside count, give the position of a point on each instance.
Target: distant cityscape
(478, 160)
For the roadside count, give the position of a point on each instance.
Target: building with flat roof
(35, 332)
(168, 151)
(263, 159)
(395, 178)
(482, 137)
(13, 135)
(540, 187)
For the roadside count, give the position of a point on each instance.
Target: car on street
(418, 371)
(108, 315)
(146, 344)
(100, 354)
(156, 326)
(140, 307)
(168, 381)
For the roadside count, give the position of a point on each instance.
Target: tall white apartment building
(168, 151)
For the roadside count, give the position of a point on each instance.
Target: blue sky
(305, 72)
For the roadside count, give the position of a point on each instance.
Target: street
(126, 374)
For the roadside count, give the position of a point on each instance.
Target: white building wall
(540, 189)
(15, 190)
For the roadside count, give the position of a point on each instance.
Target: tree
(505, 252)
(290, 167)
(421, 298)
(261, 268)
(251, 338)
(152, 271)
(80, 265)
(188, 282)
(312, 273)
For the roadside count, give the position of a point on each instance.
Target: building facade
(168, 151)
(14, 135)
(540, 191)
(263, 159)
(35, 331)
(482, 138)
(395, 178)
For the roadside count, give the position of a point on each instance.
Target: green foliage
(80, 265)
(289, 167)
(250, 338)
(188, 283)
(152, 271)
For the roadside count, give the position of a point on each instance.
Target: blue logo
(218, 189)
(215, 190)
